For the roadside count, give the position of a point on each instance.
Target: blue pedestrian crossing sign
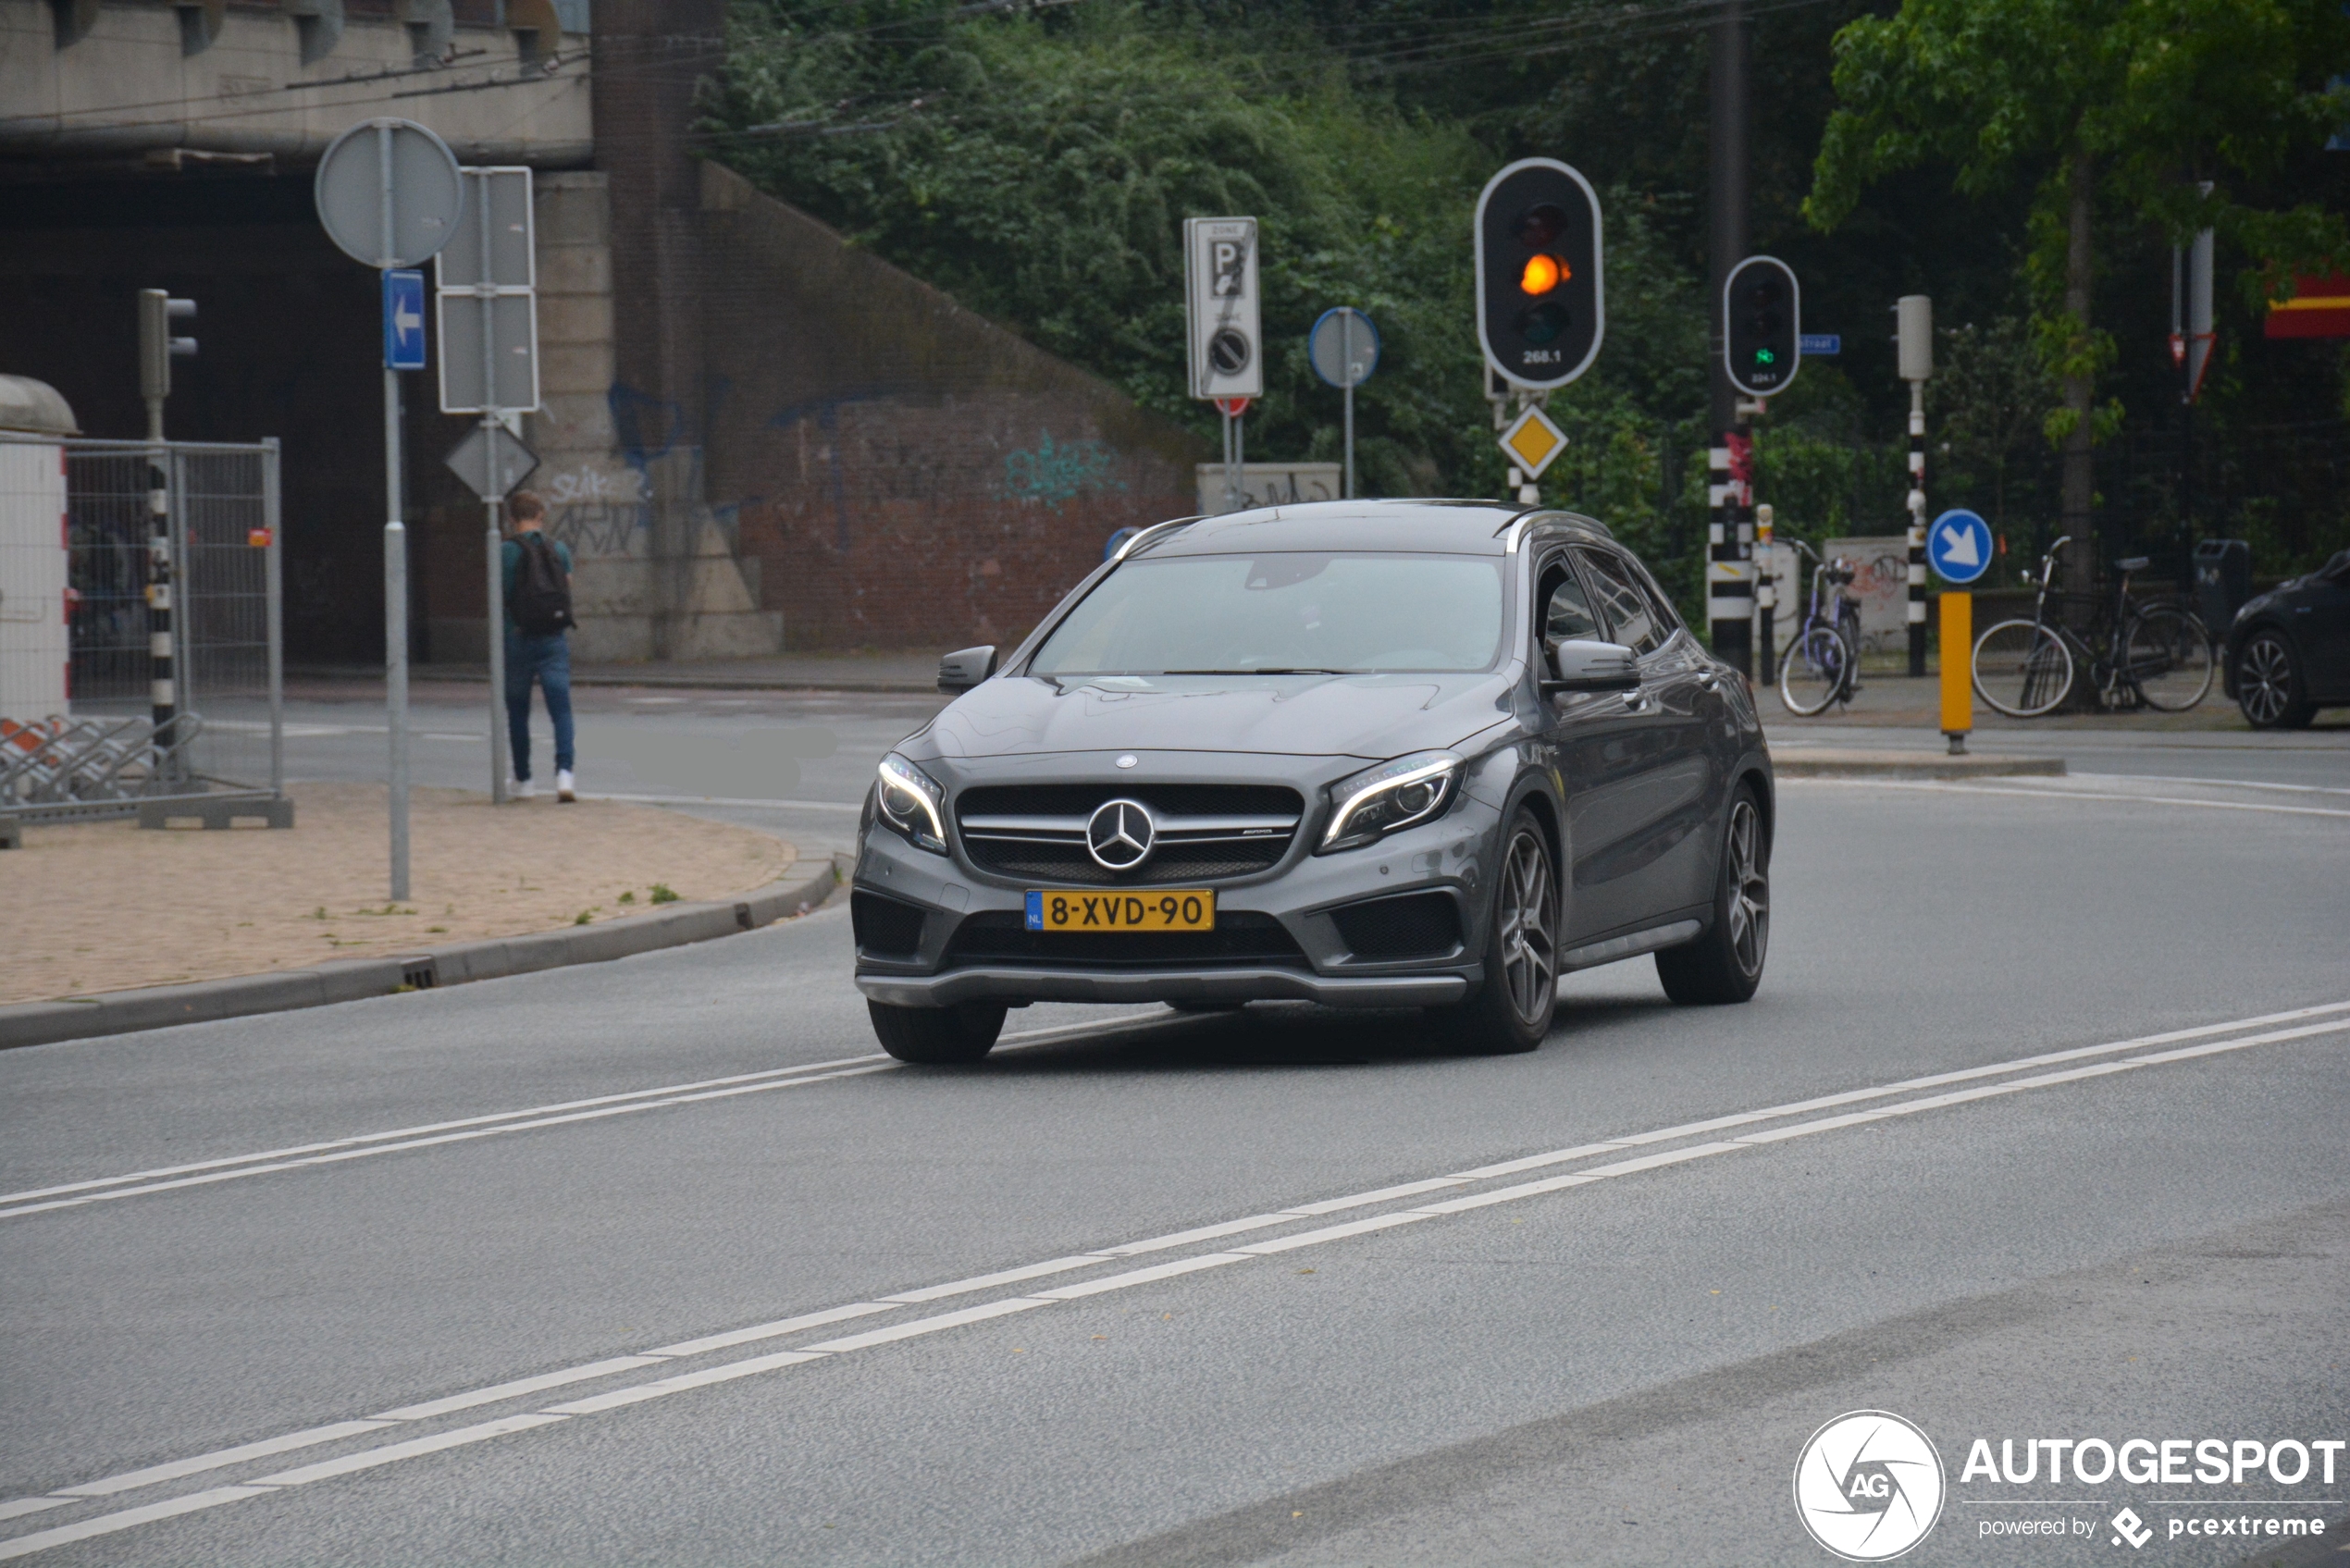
(1960, 545)
(403, 319)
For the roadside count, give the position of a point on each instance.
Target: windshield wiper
(1266, 670)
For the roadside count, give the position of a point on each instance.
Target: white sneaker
(520, 789)
(563, 785)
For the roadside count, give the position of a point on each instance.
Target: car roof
(1429, 526)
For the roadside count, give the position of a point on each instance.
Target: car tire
(2270, 690)
(1512, 1011)
(1726, 963)
(938, 1036)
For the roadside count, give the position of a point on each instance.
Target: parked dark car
(2288, 649)
(1372, 754)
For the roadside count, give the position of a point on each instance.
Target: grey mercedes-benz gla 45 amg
(1368, 753)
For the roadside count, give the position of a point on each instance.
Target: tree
(1991, 395)
(2124, 104)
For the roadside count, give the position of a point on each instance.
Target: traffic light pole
(1729, 565)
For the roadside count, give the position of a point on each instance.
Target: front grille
(1206, 832)
(884, 926)
(1417, 925)
(1240, 938)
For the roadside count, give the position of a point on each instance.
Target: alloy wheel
(1749, 910)
(2264, 681)
(1529, 951)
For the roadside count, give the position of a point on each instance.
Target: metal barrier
(82, 645)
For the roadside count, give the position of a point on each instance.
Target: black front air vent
(884, 927)
(1417, 925)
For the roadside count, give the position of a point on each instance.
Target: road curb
(120, 1012)
(1910, 765)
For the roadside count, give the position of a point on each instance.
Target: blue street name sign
(1822, 343)
(403, 319)
(1959, 544)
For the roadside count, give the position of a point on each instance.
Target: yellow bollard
(1958, 659)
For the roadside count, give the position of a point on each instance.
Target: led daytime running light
(909, 801)
(1436, 769)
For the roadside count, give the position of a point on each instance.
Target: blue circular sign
(1959, 544)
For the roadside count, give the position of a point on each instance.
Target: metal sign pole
(493, 545)
(1346, 358)
(395, 566)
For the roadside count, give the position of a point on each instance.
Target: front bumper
(1449, 855)
(1217, 985)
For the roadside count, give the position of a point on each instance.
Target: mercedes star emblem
(1121, 834)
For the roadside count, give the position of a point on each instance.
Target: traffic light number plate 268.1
(1161, 909)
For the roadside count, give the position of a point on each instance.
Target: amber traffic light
(1539, 310)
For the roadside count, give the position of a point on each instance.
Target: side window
(1622, 602)
(1567, 614)
(1668, 620)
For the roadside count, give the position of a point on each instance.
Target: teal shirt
(510, 561)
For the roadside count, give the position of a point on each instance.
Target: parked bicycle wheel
(2022, 668)
(2168, 653)
(1816, 672)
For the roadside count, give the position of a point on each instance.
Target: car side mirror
(957, 673)
(1593, 666)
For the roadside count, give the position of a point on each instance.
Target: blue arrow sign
(1822, 343)
(403, 319)
(1960, 545)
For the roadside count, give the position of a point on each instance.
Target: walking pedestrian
(538, 579)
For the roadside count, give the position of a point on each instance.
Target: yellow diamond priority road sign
(1531, 441)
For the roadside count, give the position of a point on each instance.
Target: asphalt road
(1284, 1288)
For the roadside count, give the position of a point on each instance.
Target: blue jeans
(548, 659)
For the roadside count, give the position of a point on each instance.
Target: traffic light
(1762, 326)
(1540, 307)
(158, 347)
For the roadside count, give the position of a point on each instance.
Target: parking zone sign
(1220, 301)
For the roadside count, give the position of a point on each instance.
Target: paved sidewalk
(102, 907)
(909, 672)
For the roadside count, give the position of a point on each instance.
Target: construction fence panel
(81, 636)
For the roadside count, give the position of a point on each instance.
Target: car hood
(1368, 716)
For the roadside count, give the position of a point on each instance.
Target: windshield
(1283, 613)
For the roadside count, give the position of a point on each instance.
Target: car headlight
(911, 801)
(1379, 800)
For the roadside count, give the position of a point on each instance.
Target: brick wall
(906, 474)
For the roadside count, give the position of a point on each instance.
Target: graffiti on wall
(1057, 474)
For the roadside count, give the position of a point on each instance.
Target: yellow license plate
(1161, 909)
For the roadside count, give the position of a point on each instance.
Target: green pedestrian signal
(1762, 326)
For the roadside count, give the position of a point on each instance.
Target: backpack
(541, 604)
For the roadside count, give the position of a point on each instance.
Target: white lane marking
(1938, 786)
(522, 1385)
(670, 1093)
(989, 1281)
(221, 1458)
(468, 1135)
(1199, 1233)
(1525, 1189)
(1824, 1102)
(921, 1326)
(1329, 1233)
(641, 1392)
(108, 1523)
(2215, 784)
(731, 800)
(162, 1172)
(390, 1454)
(770, 1330)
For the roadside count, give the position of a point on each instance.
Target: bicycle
(1822, 662)
(2158, 655)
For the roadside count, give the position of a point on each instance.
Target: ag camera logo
(1868, 1486)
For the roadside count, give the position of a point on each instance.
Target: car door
(1619, 753)
(2319, 617)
